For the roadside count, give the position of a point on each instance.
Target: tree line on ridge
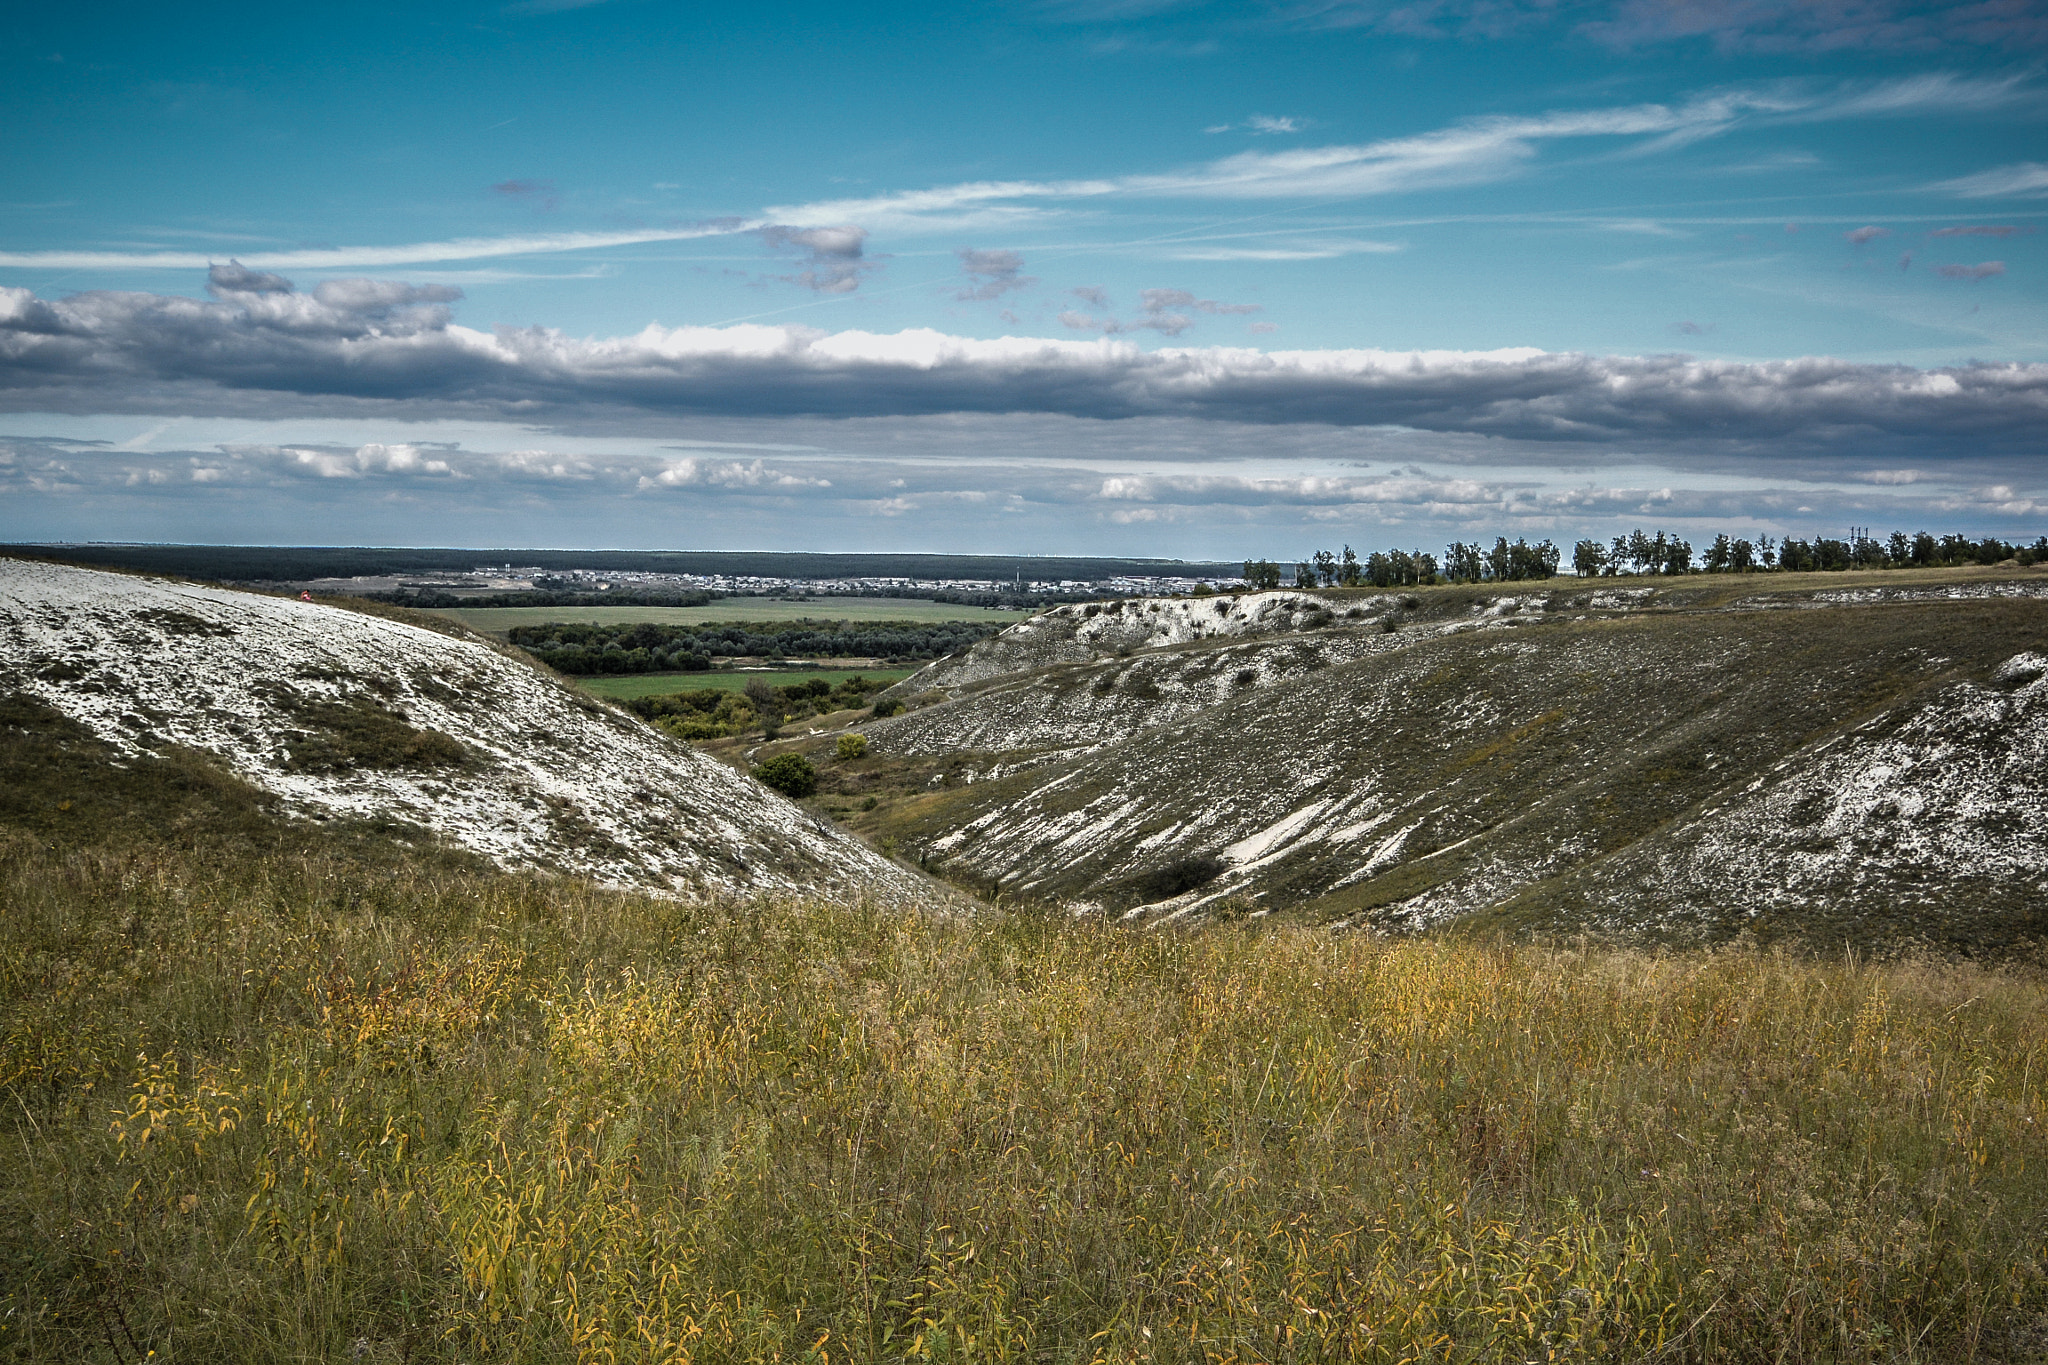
(1638, 553)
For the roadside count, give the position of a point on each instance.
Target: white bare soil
(1597, 754)
(503, 761)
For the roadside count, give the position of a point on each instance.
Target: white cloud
(364, 257)
(1297, 249)
(2024, 179)
(1474, 151)
(373, 347)
(832, 256)
(990, 274)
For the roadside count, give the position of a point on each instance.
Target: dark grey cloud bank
(363, 347)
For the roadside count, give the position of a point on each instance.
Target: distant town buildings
(510, 577)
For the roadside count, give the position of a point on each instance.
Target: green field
(626, 686)
(731, 609)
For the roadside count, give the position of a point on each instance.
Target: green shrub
(790, 774)
(887, 706)
(851, 747)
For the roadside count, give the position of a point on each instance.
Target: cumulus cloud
(379, 347)
(991, 274)
(1866, 234)
(236, 278)
(832, 256)
(1983, 270)
(363, 475)
(753, 474)
(1161, 312)
(1054, 481)
(1089, 293)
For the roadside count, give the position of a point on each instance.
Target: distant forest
(1640, 553)
(276, 563)
(649, 648)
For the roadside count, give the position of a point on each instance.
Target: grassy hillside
(347, 715)
(1706, 760)
(277, 1096)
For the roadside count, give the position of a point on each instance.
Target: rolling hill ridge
(1697, 760)
(342, 716)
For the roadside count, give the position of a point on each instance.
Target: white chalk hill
(343, 715)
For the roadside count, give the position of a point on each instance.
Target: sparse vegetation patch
(361, 734)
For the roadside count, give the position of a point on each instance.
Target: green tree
(766, 701)
(1464, 563)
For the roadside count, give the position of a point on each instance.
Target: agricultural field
(633, 685)
(494, 620)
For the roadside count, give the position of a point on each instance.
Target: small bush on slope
(790, 774)
(290, 1105)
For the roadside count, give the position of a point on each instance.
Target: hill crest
(342, 715)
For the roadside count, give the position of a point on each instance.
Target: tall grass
(292, 1108)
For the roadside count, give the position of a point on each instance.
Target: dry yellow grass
(283, 1107)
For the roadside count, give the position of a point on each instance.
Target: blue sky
(1139, 277)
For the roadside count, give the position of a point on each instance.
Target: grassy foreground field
(489, 619)
(627, 685)
(271, 1100)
